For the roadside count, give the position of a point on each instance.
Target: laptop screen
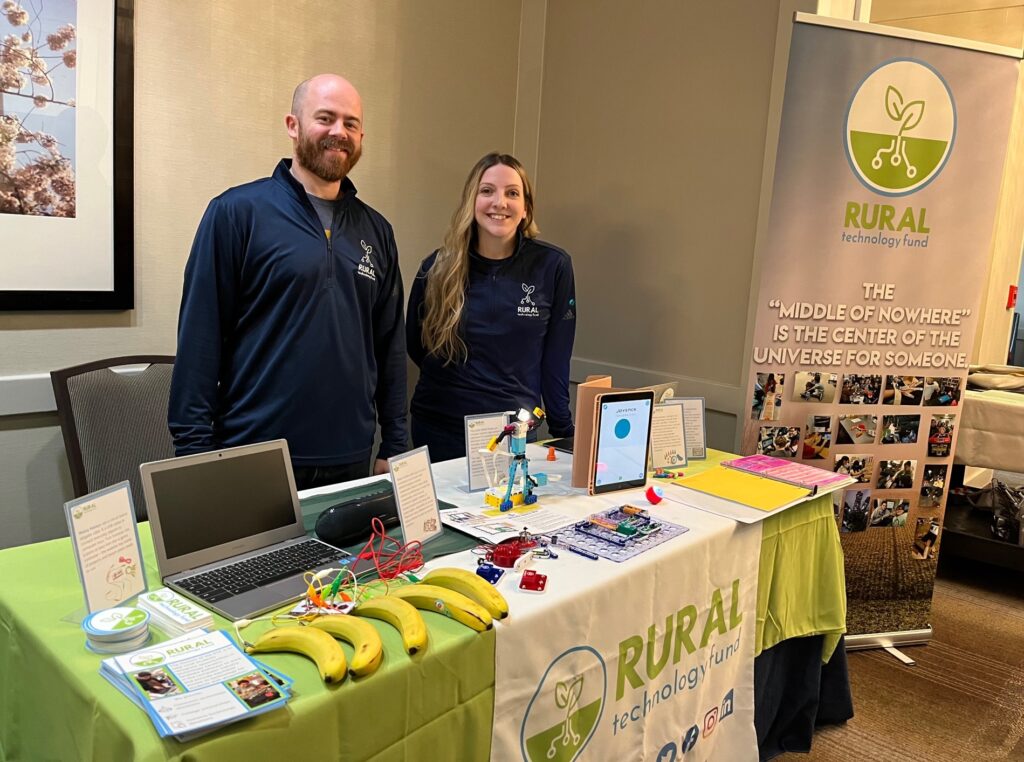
(210, 502)
(214, 505)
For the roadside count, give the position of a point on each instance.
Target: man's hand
(380, 466)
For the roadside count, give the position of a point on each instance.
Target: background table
(991, 429)
(437, 706)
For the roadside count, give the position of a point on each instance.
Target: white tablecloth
(660, 653)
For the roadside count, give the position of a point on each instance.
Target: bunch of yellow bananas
(316, 641)
(458, 594)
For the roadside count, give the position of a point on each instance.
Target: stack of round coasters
(114, 631)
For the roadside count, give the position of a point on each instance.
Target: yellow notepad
(758, 492)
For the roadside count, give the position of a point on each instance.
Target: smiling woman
(492, 314)
(499, 210)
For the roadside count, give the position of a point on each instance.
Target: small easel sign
(105, 539)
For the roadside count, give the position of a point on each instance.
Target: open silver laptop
(227, 528)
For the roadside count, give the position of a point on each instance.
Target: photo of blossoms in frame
(67, 194)
(38, 60)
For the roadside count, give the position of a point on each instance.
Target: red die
(532, 582)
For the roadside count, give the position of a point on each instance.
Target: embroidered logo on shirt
(366, 264)
(527, 307)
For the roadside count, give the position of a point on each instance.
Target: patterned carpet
(965, 698)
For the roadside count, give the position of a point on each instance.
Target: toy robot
(517, 432)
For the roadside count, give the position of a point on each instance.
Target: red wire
(390, 557)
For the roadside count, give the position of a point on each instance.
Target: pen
(579, 551)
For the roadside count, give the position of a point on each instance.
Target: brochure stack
(174, 613)
(196, 683)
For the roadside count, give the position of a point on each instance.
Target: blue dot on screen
(622, 428)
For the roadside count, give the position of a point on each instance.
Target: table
(795, 565)
(438, 706)
(52, 692)
(991, 429)
(990, 436)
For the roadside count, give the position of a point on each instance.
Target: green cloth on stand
(801, 586)
(55, 705)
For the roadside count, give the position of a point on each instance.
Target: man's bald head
(324, 85)
(326, 128)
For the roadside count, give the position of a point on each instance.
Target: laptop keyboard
(223, 582)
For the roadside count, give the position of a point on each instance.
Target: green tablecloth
(55, 705)
(438, 706)
(801, 587)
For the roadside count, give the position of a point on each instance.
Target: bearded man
(291, 321)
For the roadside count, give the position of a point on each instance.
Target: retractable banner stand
(888, 171)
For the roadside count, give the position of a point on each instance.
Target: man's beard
(327, 166)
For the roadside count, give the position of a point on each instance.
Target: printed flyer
(195, 683)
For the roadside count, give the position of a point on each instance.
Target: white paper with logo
(195, 683)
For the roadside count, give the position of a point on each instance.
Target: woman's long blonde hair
(445, 295)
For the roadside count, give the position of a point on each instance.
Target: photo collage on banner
(886, 179)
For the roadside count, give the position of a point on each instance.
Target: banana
(399, 614)
(312, 643)
(471, 585)
(362, 636)
(448, 602)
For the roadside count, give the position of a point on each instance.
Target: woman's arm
(558, 343)
(414, 315)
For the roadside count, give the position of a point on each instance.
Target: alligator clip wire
(390, 557)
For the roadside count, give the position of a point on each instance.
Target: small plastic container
(116, 630)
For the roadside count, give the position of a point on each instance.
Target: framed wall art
(66, 153)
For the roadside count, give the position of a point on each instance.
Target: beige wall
(655, 121)
(213, 82)
(998, 22)
(673, 99)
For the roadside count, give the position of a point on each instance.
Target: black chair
(114, 421)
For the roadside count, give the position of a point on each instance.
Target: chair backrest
(114, 421)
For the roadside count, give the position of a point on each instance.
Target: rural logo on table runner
(673, 684)
(900, 127)
(564, 711)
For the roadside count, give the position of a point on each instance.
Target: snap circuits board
(620, 533)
